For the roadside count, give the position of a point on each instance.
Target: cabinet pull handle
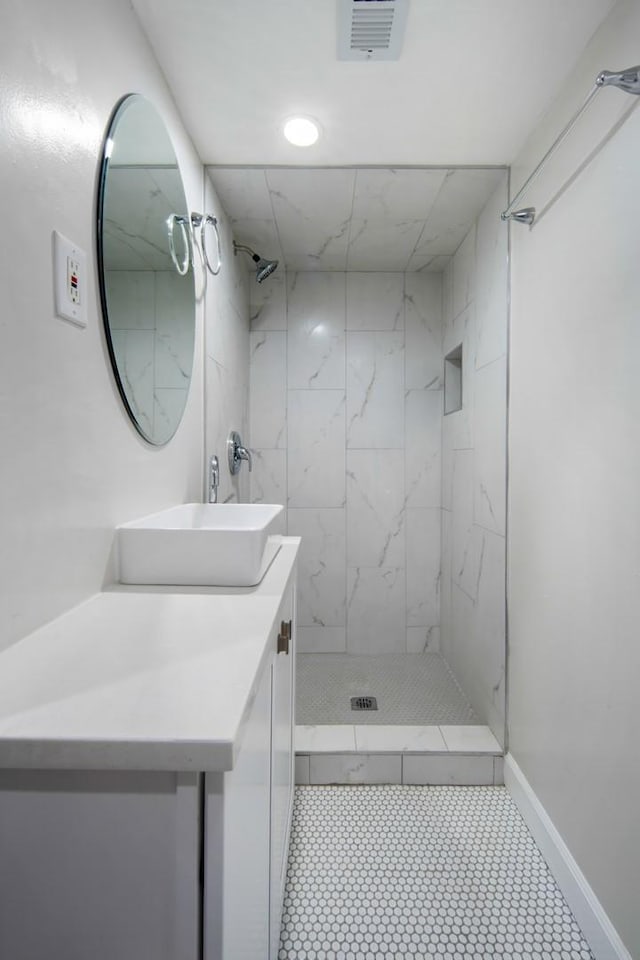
(284, 636)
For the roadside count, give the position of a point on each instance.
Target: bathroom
(74, 467)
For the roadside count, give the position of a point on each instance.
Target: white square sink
(200, 544)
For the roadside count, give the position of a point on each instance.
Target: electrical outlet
(70, 280)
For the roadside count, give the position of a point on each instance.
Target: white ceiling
(473, 77)
(354, 219)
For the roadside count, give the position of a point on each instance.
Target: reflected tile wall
(472, 601)
(361, 450)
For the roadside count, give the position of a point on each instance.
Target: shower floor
(410, 688)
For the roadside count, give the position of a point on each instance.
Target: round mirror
(144, 263)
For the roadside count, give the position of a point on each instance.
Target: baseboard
(598, 930)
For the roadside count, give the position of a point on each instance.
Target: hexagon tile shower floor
(419, 872)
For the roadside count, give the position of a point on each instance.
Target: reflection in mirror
(147, 288)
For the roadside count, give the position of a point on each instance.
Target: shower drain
(364, 703)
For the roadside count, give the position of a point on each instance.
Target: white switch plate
(70, 280)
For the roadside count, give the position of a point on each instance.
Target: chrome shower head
(264, 268)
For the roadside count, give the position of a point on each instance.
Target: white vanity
(146, 781)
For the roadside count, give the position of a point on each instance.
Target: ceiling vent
(371, 29)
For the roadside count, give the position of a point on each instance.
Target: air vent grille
(371, 29)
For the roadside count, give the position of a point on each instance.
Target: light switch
(70, 280)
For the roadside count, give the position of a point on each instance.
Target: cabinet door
(99, 865)
(236, 907)
(282, 760)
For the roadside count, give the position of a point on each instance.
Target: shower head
(264, 268)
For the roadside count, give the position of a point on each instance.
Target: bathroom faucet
(237, 452)
(214, 478)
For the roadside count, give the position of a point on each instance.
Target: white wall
(474, 466)
(72, 465)
(346, 401)
(574, 518)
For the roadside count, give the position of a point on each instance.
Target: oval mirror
(144, 264)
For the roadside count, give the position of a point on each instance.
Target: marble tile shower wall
(153, 345)
(474, 466)
(345, 419)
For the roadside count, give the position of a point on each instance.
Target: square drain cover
(364, 703)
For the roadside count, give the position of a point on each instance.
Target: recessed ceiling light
(301, 131)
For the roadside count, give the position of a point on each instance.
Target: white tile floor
(411, 688)
(391, 754)
(419, 872)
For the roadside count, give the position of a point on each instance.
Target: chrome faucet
(214, 478)
(236, 453)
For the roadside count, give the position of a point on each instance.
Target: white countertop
(145, 678)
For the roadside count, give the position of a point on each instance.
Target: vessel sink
(200, 544)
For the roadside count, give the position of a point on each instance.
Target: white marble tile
(422, 455)
(243, 191)
(460, 199)
(328, 738)
(423, 331)
(375, 610)
(447, 455)
(375, 301)
(396, 739)
(462, 513)
(396, 194)
(461, 771)
(312, 209)
(489, 634)
(375, 508)
(464, 273)
(315, 245)
(312, 194)
(268, 391)
(462, 421)
(131, 299)
(322, 575)
(467, 575)
(174, 330)
(445, 584)
(423, 639)
(268, 479)
(360, 768)
(316, 324)
(268, 306)
(168, 407)
(492, 279)
(470, 739)
(134, 350)
(302, 771)
(447, 298)
(382, 245)
(490, 439)
(423, 567)
(375, 390)
(322, 639)
(135, 217)
(316, 448)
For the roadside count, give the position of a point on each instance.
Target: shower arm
(241, 246)
(627, 80)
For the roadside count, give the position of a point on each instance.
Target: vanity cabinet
(248, 817)
(159, 864)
